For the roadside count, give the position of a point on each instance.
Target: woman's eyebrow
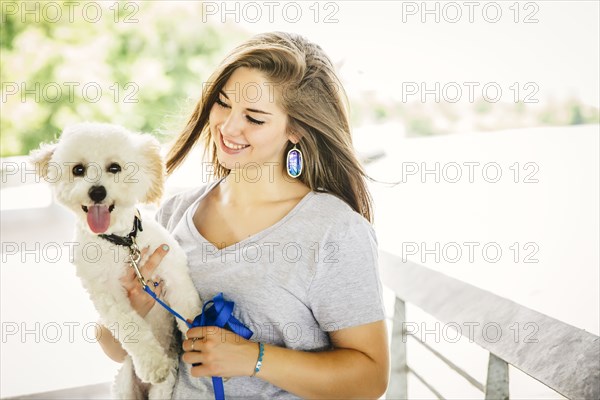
(247, 109)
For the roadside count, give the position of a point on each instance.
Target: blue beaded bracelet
(261, 352)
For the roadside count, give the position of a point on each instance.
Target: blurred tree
(420, 126)
(576, 115)
(141, 65)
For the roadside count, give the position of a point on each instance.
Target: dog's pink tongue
(98, 218)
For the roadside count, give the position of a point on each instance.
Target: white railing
(562, 357)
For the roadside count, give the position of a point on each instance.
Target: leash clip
(134, 258)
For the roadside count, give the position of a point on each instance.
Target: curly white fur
(150, 369)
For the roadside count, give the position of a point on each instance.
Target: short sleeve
(346, 289)
(163, 214)
(160, 216)
(172, 210)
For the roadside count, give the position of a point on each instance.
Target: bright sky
(559, 53)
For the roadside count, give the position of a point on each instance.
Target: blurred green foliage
(149, 59)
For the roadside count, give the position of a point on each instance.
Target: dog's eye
(114, 168)
(78, 170)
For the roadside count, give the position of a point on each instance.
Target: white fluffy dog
(100, 172)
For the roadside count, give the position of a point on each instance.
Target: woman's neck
(246, 188)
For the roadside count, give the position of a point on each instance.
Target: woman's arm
(110, 345)
(358, 367)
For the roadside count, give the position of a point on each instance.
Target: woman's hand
(220, 352)
(141, 302)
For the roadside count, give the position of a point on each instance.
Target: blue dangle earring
(294, 162)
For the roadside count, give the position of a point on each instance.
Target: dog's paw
(182, 326)
(164, 390)
(154, 370)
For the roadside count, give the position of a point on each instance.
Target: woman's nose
(232, 126)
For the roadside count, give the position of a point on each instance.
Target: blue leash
(216, 312)
(219, 314)
(165, 305)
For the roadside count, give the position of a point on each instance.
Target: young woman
(292, 245)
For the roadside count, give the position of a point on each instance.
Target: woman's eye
(222, 104)
(114, 168)
(78, 170)
(254, 121)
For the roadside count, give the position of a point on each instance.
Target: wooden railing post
(496, 385)
(398, 388)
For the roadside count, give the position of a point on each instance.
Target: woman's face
(246, 115)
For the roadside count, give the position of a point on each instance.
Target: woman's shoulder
(329, 219)
(334, 213)
(175, 205)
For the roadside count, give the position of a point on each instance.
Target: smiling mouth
(231, 150)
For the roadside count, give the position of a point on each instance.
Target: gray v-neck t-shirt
(312, 272)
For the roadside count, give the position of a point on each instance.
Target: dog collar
(128, 240)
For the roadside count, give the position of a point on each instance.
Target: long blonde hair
(317, 108)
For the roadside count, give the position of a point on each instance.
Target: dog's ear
(155, 167)
(40, 158)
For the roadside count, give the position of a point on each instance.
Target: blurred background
(510, 89)
(142, 64)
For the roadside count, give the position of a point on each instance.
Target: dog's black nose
(97, 193)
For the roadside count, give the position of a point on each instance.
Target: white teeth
(234, 146)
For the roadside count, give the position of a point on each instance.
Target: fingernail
(165, 247)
